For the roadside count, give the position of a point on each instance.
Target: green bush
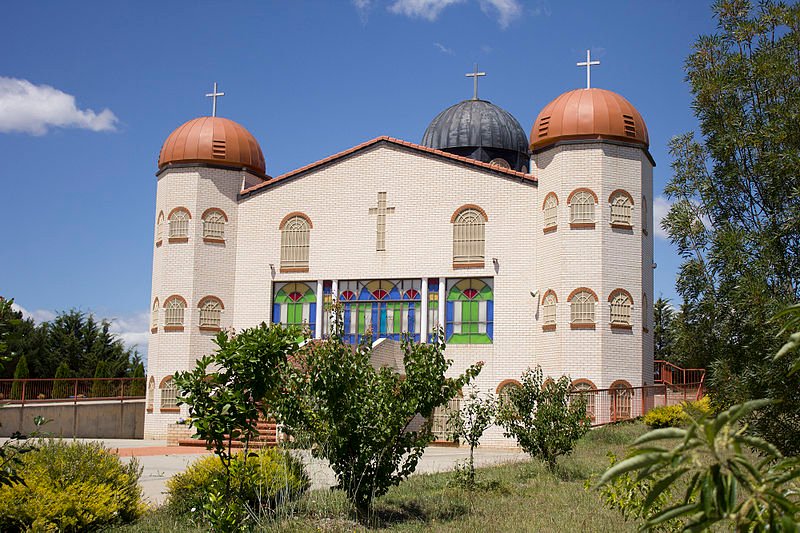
(676, 415)
(71, 487)
(266, 480)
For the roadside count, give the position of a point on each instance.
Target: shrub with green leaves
(263, 482)
(676, 415)
(71, 487)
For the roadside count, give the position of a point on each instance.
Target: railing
(22, 391)
(671, 374)
(606, 406)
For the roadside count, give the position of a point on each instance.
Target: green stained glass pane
(295, 312)
(362, 326)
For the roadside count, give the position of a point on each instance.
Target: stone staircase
(267, 437)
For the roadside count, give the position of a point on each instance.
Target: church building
(527, 249)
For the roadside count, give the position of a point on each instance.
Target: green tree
(663, 316)
(61, 389)
(735, 217)
(543, 418)
(136, 388)
(100, 387)
(20, 372)
(364, 420)
(469, 423)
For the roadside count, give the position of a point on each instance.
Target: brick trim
(581, 381)
(617, 290)
(178, 240)
(581, 289)
(210, 328)
(620, 225)
(289, 270)
(505, 383)
(582, 225)
(164, 381)
(548, 292)
(170, 410)
(626, 384)
(172, 329)
(618, 191)
(548, 196)
(176, 209)
(154, 330)
(178, 296)
(213, 240)
(210, 297)
(621, 327)
(548, 327)
(550, 229)
(582, 325)
(464, 207)
(212, 210)
(295, 214)
(469, 265)
(582, 189)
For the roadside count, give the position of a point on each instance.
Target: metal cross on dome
(588, 64)
(475, 75)
(213, 95)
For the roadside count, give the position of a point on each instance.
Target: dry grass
(515, 497)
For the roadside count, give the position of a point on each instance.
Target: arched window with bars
(160, 228)
(582, 304)
(588, 390)
(169, 395)
(179, 225)
(174, 310)
(210, 312)
(621, 304)
(550, 211)
(549, 310)
(154, 317)
(151, 393)
(469, 237)
(214, 225)
(621, 209)
(295, 242)
(582, 204)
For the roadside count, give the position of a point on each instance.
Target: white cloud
(443, 49)
(134, 330)
(507, 10)
(363, 7)
(542, 8)
(38, 316)
(29, 108)
(426, 9)
(660, 209)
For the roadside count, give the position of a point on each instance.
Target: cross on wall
(380, 230)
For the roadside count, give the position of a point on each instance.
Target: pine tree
(61, 389)
(137, 387)
(20, 373)
(99, 387)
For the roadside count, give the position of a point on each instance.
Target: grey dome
(475, 123)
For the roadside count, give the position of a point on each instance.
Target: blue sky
(89, 90)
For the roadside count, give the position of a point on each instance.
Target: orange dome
(589, 114)
(213, 140)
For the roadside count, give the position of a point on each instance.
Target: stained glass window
(433, 309)
(295, 304)
(470, 311)
(386, 308)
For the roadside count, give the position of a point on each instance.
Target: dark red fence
(22, 391)
(606, 406)
(671, 374)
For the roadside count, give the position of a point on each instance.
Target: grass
(522, 496)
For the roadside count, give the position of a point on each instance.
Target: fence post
(644, 389)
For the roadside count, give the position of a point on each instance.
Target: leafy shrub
(71, 487)
(677, 415)
(262, 482)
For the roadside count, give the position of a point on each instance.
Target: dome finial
(213, 95)
(588, 64)
(475, 75)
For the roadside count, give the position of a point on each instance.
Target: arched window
(160, 228)
(169, 394)
(174, 309)
(179, 225)
(582, 306)
(214, 225)
(549, 306)
(470, 311)
(581, 208)
(154, 317)
(441, 416)
(210, 313)
(504, 390)
(151, 393)
(621, 208)
(621, 400)
(550, 209)
(644, 215)
(588, 390)
(469, 237)
(295, 235)
(621, 303)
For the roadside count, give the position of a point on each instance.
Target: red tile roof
(529, 178)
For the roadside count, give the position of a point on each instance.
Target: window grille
(550, 211)
(504, 393)
(154, 315)
(151, 392)
(169, 394)
(210, 313)
(214, 225)
(549, 309)
(160, 227)
(586, 389)
(179, 224)
(469, 238)
(440, 419)
(621, 400)
(173, 312)
(295, 243)
(621, 209)
(621, 309)
(582, 308)
(581, 207)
